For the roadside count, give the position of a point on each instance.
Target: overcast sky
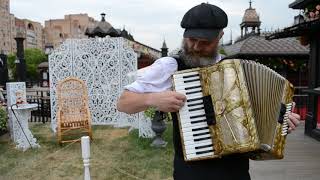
(150, 21)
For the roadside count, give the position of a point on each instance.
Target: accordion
(234, 106)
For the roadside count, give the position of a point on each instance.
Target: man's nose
(196, 46)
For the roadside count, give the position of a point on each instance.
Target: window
(30, 26)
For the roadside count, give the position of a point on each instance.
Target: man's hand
(168, 101)
(294, 120)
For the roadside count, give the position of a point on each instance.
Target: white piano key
(189, 120)
(195, 95)
(192, 151)
(192, 114)
(187, 78)
(184, 83)
(189, 90)
(195, 111)
(188, 129)
(186, 121)
(185, 74)
(187, 113)
(196, 133)
(188, 143)
(194, 155)
(189, 124)
(193, 138)
(187, 109)
(191, 133)
(193, 146)
(194, 102)
(182, 86)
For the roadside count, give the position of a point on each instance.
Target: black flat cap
(204, 21)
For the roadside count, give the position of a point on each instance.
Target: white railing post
(85, 147)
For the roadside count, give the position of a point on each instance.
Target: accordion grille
(265, 88)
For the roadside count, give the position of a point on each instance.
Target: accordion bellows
(247, 99)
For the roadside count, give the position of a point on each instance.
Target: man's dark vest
(232, 167)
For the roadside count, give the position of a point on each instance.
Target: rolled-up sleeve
(154, 78)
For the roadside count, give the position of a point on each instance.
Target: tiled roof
(258, 45)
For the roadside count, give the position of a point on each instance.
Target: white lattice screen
(103, 63)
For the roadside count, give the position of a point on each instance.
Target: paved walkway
(301, 161)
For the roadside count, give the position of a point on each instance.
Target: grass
(115, 154)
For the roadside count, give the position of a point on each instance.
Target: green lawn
(115, 154)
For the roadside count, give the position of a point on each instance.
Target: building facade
(6, 27)
(72, 26)
(10, 27)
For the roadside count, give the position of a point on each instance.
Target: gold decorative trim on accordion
(235, 126)
(236, 130)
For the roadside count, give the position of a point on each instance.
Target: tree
(33, 58)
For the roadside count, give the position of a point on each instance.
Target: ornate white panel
(145, 127)
(103, 63)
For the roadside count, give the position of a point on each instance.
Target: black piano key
(192, 87)
(196, 109)
(197, 116)
(200, 134)
(189, 76)
(199, 121)
(194, 99)
(195, 104)
(198, 129)
(193, 80)
(204, 146)
(201, 139)
(203, 152)
(193, 92)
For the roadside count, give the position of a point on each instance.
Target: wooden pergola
(311, 30)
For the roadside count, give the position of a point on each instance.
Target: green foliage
(222, 51)
(12, 65)
(3, 119)
(150, 112)
(33, 58)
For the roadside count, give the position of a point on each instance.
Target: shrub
(3, 119)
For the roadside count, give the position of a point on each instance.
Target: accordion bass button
(265, 147)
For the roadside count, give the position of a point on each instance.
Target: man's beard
(193, 59)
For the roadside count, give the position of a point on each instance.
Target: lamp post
(20, 61)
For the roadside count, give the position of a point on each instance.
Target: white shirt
(156, 77)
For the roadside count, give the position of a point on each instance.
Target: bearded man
(203, 25)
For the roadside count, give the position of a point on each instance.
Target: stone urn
(158, 125)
